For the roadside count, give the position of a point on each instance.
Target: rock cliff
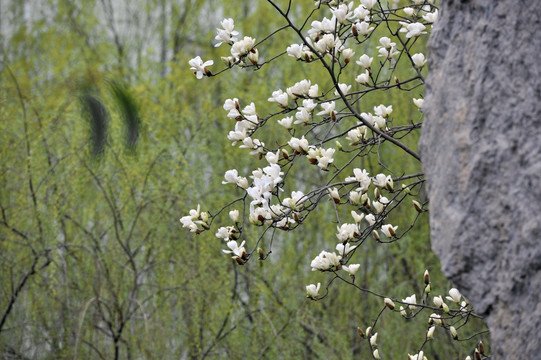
(481, 153)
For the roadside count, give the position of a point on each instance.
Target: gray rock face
(481, 152)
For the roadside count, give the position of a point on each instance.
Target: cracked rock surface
(481, 153)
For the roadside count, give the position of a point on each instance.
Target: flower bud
(369, 331)
(354, 30)
(427, 277)
(339, 146)
(365, 200)
(253, 56)
(334, 195)
(438, 301)
(445, 308)
(418, 207)
(376, 354)
(377, 194)
(430, 332)
(360, 332)
(239, 260)
(234, 215)
(389, 183)
(403, 312)
(406, 188)
(481, 347)
(373, 340)
(285, 154)
(477, 355)
(261, 254)
(389, 303)
(375, 235)
(428, 289)
(205, 216)
(453, 332)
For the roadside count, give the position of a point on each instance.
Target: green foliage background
(93, 261)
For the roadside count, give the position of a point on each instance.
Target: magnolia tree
(328, 128)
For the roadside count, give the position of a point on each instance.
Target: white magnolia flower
(419, 60)
(409, 11)
(234, 215)
(430, 332)
(356, 135)
(374, 339)
(286, 122)
(280, 97)
(380, 123)
(312, 291)
(295, 201)
(431, 17)
(324, 261)
(355, 197)
(378, 206)
(365, 61)
(327, 42)
(300, 89)
(380, 180)
(229, 60)
(438, 301)
(389, 230)
(309, 104)
(303, 116)
(344, 88)
(300, 145)
(199, 66)
(334, 194)
(362, 177)
(418, 102)
(226, 232)
(325, 158)
(454, 296)
(357, 217)
(227, 33)
(231, 104)
(414, 29)
(388, 53)
(321, 27)
(382, 110)
(243, 46)
(341, 13)
(347, 232)
(328, 108)
(370, 219)
(434, 318)
(235, 249)
(347, 54)
(411, 301)
(386, 43)
(231, 176)
(369, 4)
(351, 269)
(343, 250)
(361, 12)
(272, 158)
(314, 91)
(362, 28)
(295, 50)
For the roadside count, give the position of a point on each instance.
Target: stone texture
(481, 152)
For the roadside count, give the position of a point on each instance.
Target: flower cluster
(318, 121)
